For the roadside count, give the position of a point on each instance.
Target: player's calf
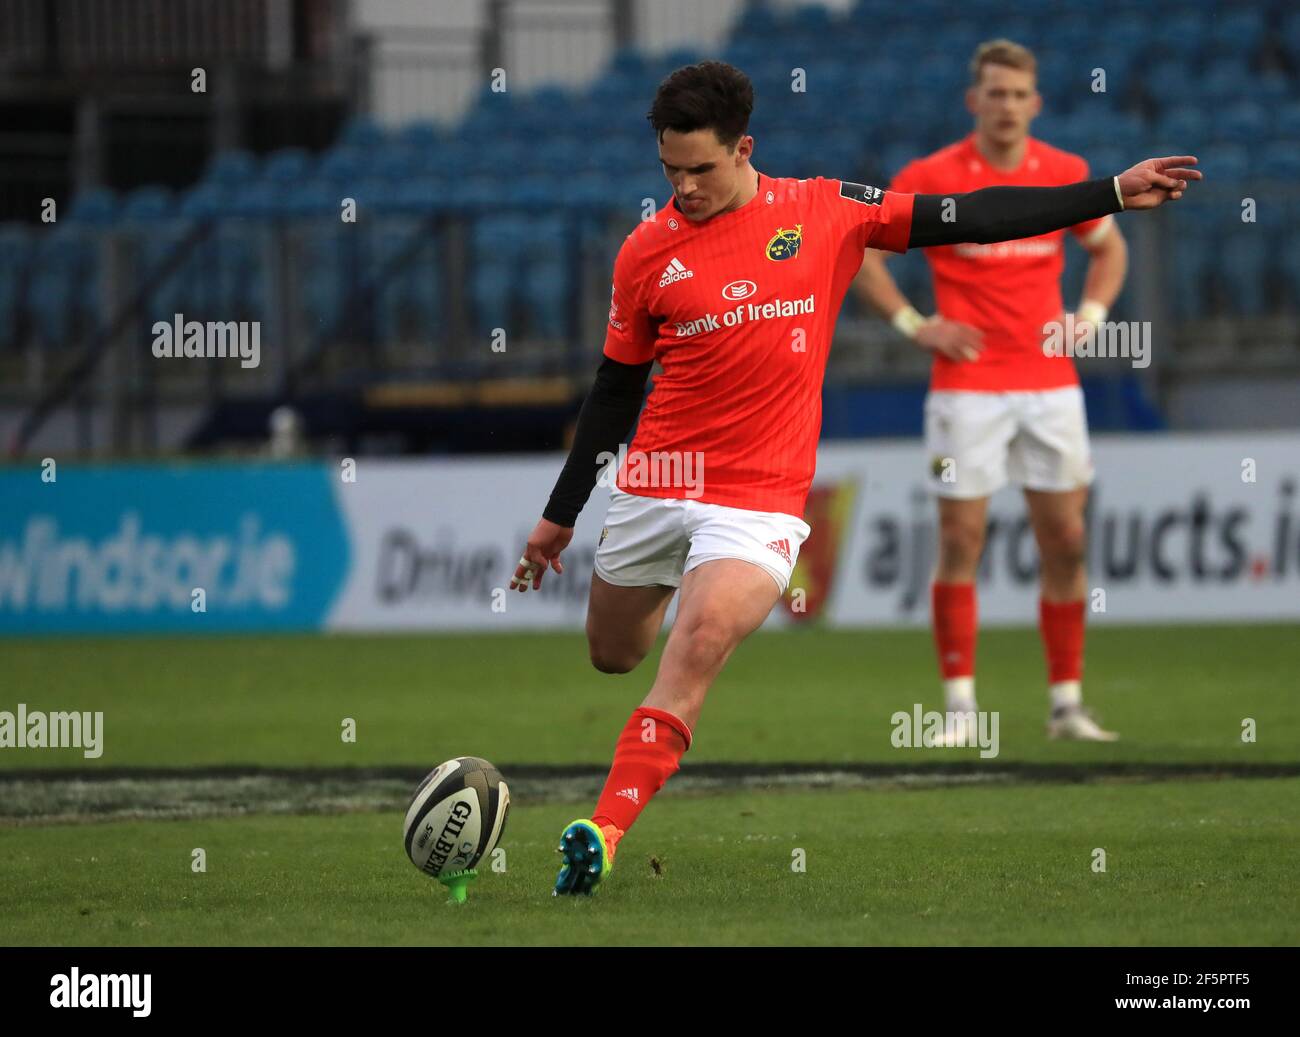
(623, 622)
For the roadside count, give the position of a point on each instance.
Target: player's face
(1004, 103)
(706, 177)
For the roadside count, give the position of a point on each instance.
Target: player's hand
(1084, 331)
(950, 339)
(1156, 181)
(545, 543)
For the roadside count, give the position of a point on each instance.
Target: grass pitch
(1189, 859)
(1202, 863)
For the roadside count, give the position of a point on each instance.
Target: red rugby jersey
(1008, 290)
(739, 310)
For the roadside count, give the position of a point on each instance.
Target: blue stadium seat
(1287, 256)
(1243, 266)
(362, 133)
(1280, 160)
(155, 224)
(757, 21)
(1187, 280)
(148, 205)
(1289, 36)
(63, 292)
(1286, 121)
(548, 274)
(499, 243)
(421, 136)
(257, 200)
(345, 163)
(402, 262)
(1226, 162)
(1156, 74)
(557, 154)
(1127, 32)
(315, 198)
(287, 167)
(394, 163)
(1183, 33)
(420, 196)
(1107, 160)
(240, 291)
(1245, 123)
(1190, 124)
(1240, 31)
(1225, 80)
(205, 201)
(96, 207)
(231, 169)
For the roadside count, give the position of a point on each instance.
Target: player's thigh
(722, 602)
(739, 565)
(1051, 451)
(967, 435)
(962, 522)
(623, 622)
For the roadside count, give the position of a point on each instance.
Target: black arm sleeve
(606, 416)
(1007, 213)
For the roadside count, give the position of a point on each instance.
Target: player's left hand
(1156, 181)
(543, 549)
(1084, 329)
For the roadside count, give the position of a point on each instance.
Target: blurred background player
(1000, 408)
(738, 405)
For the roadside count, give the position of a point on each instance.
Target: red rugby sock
(646, 756)
(1061, 624)
(953, 615)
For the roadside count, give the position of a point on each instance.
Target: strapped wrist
(1092, 311)
(908, 321)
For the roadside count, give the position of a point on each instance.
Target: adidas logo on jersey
(674, 271)
(781, 547)
(633, 794)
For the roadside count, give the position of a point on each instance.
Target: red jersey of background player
(1008, 290)
(739, 310)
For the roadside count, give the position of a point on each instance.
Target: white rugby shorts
(657, 540)
(978, 441)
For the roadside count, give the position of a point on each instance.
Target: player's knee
(610, 659)
(709, 639)
(1063, 545)
(960, 544)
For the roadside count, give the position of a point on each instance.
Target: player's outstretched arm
(1007, 213)
(606, 417)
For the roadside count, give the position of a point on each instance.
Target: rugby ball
(456, 816)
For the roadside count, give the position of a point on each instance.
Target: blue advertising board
(194, 548)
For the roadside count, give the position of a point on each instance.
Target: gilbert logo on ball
(456, 816)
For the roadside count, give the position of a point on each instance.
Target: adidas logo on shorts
(674, 271)
(781, 547)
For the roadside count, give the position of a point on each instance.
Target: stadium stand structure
(510, 218)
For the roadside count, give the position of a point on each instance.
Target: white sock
(1066, 695)
(959, 694)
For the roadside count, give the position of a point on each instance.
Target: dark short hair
(708, 95)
